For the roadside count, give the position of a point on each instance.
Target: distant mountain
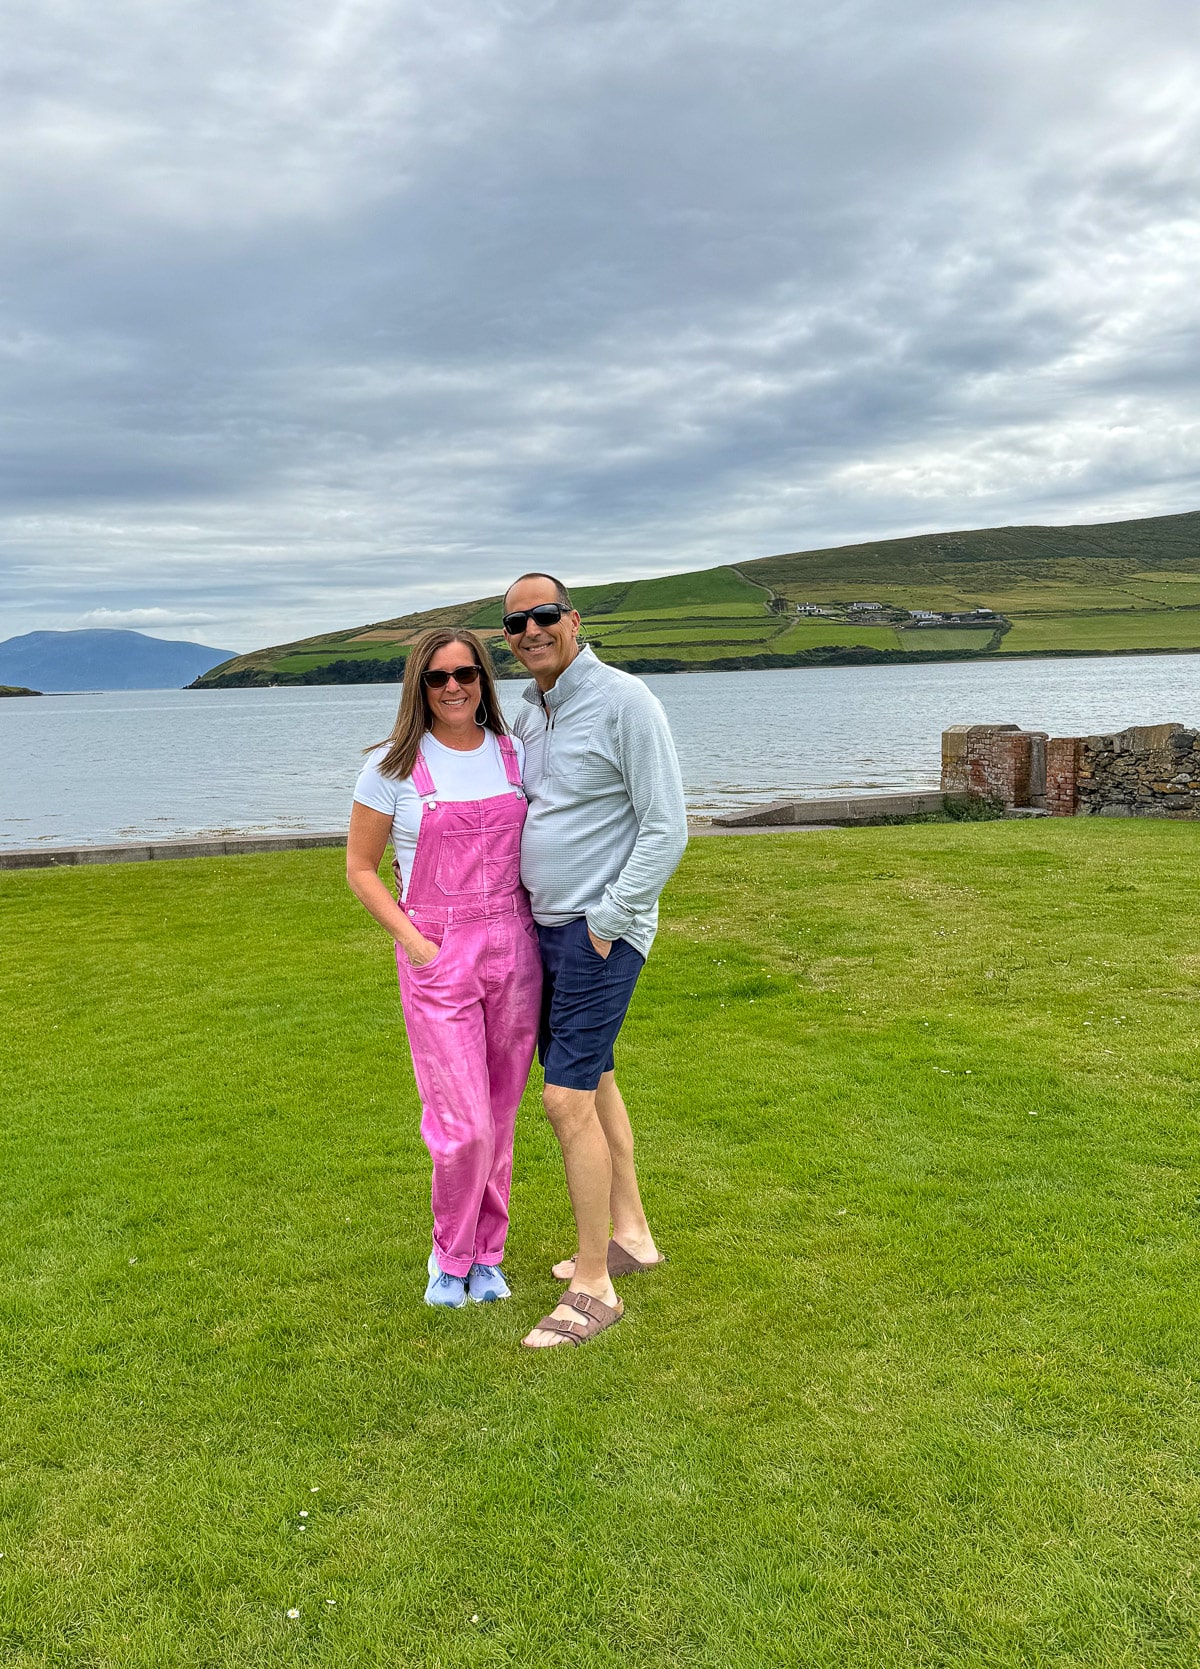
(104, 660)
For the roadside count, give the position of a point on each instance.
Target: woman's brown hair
(413, 718)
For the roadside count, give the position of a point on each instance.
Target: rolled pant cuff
(460, 1268)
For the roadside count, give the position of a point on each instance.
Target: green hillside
(1113, 588)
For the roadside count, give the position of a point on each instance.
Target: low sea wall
(139, 851)
(1144, 771)
(842, 812)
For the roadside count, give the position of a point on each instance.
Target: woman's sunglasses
(461, 675)
(545, 614)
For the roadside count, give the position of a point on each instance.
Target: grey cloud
(314, 314)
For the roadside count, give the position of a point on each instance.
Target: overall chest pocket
(475, 861)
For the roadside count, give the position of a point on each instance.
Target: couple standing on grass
(528, 873)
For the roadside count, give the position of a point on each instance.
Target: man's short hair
(560, 590)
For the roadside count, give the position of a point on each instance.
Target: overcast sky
(316, 311)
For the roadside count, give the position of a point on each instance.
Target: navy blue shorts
(585, 997)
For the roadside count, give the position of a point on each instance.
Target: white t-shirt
(478, 775)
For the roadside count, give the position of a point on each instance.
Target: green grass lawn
(1161, 629)
(684, 632)
(706, 585)
(699, 613)
(1164, 587)
(1065, 596)
(616, 651)
(809, 634)
(303, 660)
(918, 1385)
(953, 638)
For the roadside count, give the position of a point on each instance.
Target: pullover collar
(580, 672)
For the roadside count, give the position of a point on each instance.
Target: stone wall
(1146, 771)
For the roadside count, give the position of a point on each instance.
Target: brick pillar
(1063, 755)
(1005, 767)
(960, 744)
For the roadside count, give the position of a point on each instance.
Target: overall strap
(512, 765)
(422, 781)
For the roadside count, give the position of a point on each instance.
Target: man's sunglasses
(461, 675)
(545, 614)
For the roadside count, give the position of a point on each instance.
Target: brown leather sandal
(596, 1315)
(621, 1262)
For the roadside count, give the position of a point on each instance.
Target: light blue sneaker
(486, 1283)
(445, 1292)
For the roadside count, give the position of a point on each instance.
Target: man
(605, 830)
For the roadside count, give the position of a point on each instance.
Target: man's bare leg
(629, 1225)
(573, 1114)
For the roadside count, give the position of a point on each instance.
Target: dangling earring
(481, 714)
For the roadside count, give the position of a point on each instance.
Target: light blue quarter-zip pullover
(607, 824)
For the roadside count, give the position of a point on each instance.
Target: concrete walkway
(783, 817)
(227, 846)
(846, 809)
(700, 829)
(138, 851)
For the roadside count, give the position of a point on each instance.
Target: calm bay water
(78, 769)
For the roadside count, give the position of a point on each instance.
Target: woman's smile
(452, 708)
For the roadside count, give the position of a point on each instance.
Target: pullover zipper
(549, 712)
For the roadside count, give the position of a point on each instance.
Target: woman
(445, 789)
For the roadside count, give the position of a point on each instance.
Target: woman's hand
(370, 831)
(422, 952)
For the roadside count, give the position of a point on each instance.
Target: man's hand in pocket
(600, 946)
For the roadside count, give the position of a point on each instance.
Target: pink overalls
(472, 1013)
